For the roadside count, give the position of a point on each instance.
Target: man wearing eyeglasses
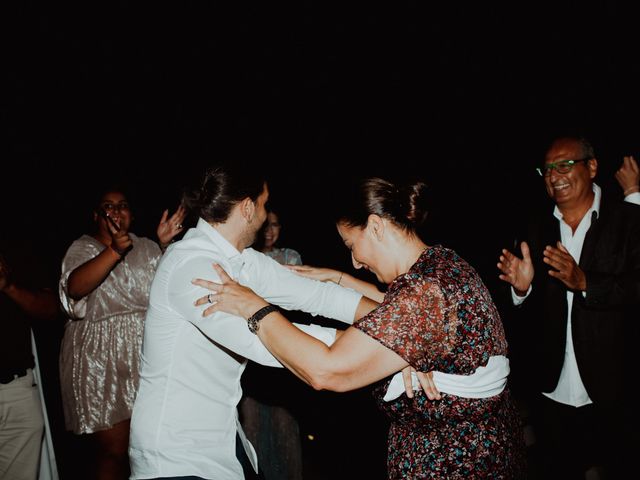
(577, 283)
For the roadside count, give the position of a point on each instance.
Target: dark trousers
(572, 440)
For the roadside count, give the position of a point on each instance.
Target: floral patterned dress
(439, 316)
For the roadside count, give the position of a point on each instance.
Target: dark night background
(465, 96)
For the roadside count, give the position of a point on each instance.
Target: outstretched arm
(340, 278)
(353, 361)
(42, 304)
(90, 275)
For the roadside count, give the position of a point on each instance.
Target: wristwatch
(253, 322)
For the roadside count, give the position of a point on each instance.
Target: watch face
(253, 324)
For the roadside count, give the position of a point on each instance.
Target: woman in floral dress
(437, 316)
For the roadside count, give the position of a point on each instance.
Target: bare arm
(344, 279)
(42, 304)
(88, 276)
(351, 362)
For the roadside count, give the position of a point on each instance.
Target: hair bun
(411, 203)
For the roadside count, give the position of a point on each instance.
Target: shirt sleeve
(293, 257)
(517, 299)
(282, 287)
(79, 253)
(416, 322)
(633, 198)
(228, 330)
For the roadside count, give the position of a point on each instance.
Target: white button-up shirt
(185, 419)
(570, 389)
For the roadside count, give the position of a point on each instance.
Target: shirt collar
(228, 250)
(595, 206)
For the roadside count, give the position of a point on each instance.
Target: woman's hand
(121, 242)
(169, 227)
(425, 380)
(228, 296)
(317, 273)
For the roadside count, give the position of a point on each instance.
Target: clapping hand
(565, 267)
(628, 176)
(171, 226)
(517, 271)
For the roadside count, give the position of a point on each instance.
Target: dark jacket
(604, 323)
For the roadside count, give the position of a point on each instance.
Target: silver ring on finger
(210, 298)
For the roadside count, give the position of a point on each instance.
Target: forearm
(353, 361)
(88, 276)
(306, 357)
(365, 306)
(365, 288)
(41, 304)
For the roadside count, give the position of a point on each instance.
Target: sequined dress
(440, 316)
(100, 352)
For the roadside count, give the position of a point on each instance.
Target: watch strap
(253, 322)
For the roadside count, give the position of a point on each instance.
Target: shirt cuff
(633, 198)
(517, 300)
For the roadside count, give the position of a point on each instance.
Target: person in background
(576, 283)
(436, 316)
(270, 236)
(267, 409)
(628, 176)
(104, 289)
(24, 299)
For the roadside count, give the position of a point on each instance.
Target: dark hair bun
(411, 202)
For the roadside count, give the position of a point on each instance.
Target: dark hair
(113, 187)
(221, 189)
(403, 204)
(586, 149)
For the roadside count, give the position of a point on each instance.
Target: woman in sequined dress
(104, 289)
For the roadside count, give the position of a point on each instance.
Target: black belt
(10, 377)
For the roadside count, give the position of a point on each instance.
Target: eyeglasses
(111, 207)
(564, 166)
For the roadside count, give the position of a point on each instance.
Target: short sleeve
(293, 257)
(412, 321)
(79, 253)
